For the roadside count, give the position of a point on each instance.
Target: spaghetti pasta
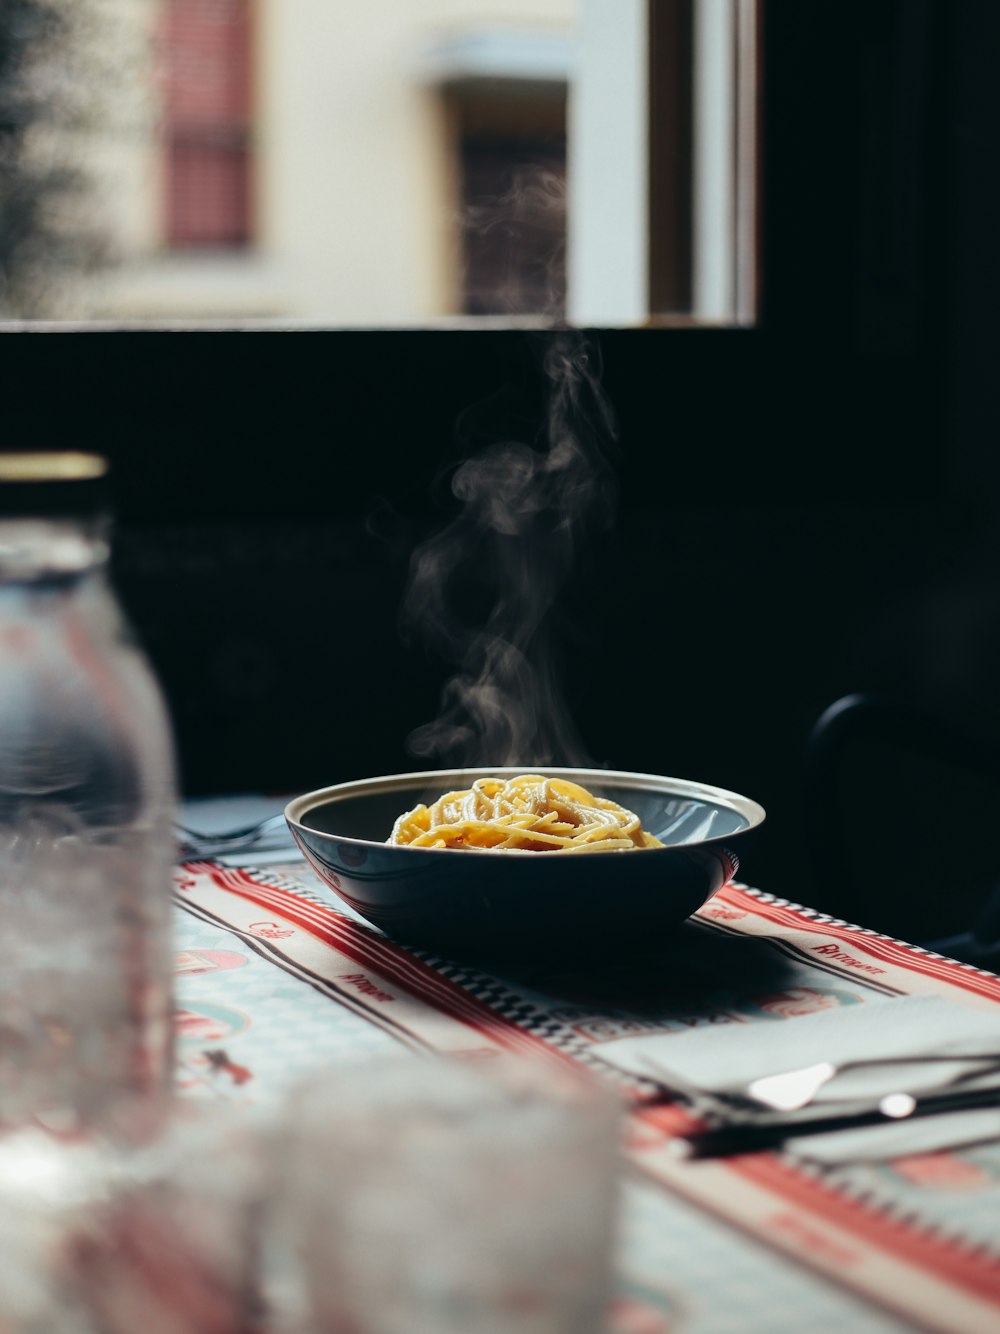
(529, 813)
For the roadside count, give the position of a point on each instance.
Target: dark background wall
(806, 508)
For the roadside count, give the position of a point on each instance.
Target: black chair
(902, 816)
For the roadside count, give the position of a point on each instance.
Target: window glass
(392, 163)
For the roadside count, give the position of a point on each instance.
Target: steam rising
(481, 591)
(515, 246)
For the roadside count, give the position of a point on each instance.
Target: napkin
(727, 1057)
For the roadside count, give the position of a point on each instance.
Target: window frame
(802, 60)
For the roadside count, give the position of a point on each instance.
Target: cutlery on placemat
(194, 845)
(794, 1089)
(765, 1131)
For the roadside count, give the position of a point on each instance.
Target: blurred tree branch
(66, 70)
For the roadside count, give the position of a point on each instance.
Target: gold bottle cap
(57, 466)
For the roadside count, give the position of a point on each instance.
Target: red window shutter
(207, 107)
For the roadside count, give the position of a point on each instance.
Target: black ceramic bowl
(487, 904)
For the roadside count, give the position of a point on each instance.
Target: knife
(728, 1140)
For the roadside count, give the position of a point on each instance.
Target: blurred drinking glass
(86, 811)
(172, 1244)
(160, 1238)
(44, 1189)
(428, 1196)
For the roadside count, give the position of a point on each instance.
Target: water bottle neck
(48, 551)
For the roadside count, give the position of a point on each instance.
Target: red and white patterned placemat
(918, 1236)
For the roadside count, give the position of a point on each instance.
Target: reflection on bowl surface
(490, 905)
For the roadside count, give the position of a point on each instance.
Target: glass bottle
(87, 797)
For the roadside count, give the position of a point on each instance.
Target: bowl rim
(300, 806)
